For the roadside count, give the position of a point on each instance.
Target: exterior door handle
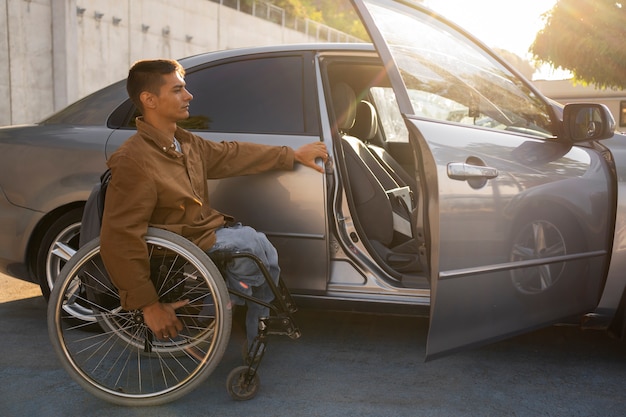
(463, 171)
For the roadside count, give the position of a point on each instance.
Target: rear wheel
(58, 244)
(124, 364)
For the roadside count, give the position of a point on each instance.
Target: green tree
(586, 37)
(299, 8)
(337, 14)
(341, 15)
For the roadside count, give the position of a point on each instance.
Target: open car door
(516, 222)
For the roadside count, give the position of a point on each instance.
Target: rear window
(92, 110)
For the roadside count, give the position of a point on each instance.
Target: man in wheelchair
(159, 179)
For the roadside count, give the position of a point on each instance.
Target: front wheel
(543, 234)
(241, 385)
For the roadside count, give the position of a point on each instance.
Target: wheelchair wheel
(123, 363)
(241, 386)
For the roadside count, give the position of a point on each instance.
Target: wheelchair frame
(116, 357)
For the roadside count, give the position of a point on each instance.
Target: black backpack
(97, 285)
(94, 208)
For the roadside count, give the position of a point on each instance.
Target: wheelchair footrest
(279, 325)
(288, 300)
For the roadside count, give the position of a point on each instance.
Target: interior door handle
(463, 171)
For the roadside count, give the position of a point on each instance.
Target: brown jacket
(154, 185)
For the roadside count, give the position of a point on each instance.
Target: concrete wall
(53, 52)
(25, 60)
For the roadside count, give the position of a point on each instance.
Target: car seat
(382, 205)
(366, 128)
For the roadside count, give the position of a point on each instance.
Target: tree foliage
(586, 37)
(337, 14)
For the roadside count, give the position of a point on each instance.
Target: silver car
(455, 189)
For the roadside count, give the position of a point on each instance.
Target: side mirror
(587, 121)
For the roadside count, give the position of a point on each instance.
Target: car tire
(64, 232)
(545, 233)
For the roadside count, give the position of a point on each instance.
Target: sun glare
(511, 26)
(14, 289)
(500, 24)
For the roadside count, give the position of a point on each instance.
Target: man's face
(173, 100)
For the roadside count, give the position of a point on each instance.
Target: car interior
(381, 191)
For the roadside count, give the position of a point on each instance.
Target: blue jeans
(243, 274)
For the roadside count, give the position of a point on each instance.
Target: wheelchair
(116, 357)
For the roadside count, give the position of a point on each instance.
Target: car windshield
(449, 78)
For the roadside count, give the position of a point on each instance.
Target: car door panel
(516, 224)
(288, 206)
(501, 244)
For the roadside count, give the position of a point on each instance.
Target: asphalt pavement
(345, 364)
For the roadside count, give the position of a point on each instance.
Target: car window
(263, 95)
(451, 79)
(389, 114)
(93, 109)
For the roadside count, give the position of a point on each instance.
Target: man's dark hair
(147, 75)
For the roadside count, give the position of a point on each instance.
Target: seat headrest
(344, 105)
(366, 123)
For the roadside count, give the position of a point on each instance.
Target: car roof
(192, 61)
